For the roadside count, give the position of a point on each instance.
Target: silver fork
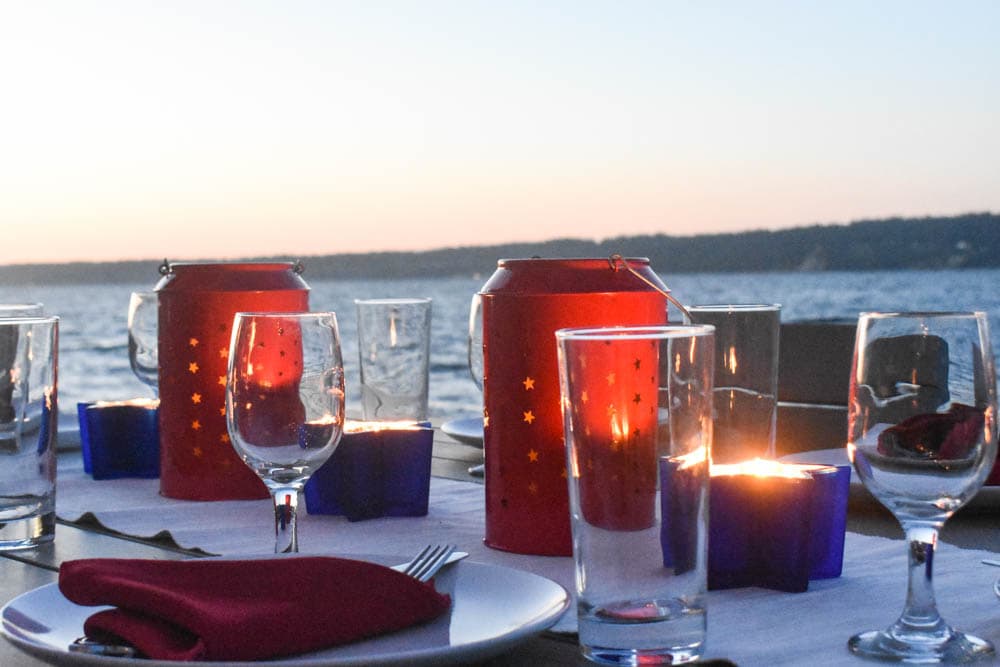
(426, 563)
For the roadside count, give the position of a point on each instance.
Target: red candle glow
(197, 303)
(613, 412)
(523, 304)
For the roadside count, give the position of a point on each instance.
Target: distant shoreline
(957, 242)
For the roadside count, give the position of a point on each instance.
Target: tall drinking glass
(746, 378)
(285, 404)
(143, 340)
(394, 344)
(637, 413)
(29, 350)
(922, 435)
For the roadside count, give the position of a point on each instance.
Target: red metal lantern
(197, 303)
(523, 304)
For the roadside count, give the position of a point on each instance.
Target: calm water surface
(93, 361)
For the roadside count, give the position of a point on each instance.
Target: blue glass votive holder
(120, 439)
(378, 469)
(778, 527)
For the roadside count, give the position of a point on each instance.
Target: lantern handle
(616, 262)
(299, 267)
(165, 269)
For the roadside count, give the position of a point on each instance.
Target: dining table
(129, 518)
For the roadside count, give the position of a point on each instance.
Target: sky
(224, 129)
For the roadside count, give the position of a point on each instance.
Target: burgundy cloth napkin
(244, 609)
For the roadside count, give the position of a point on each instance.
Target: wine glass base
(918, 648)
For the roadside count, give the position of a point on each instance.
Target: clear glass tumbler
(746, 378)
(28, 422)
(637, 410)
(394, 345)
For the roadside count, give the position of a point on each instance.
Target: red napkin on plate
(244, 609)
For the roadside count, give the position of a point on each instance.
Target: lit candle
(120, 438)
(776, 525)
(378, 469)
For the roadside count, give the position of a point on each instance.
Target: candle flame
(327, 420)
(619, 427)
(137, 402)
(765, 468)
(693, 458)
(392, 330)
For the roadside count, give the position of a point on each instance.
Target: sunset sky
(217, 129)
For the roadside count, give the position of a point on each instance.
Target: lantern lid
(225, 276)
(572, 276)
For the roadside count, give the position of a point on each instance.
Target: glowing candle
(378, 469)
(120, 439)
(775, 525)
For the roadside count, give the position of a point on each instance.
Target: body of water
(93, 362)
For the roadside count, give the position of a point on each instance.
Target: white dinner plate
(468, 430)
(987, 498)
(493, 609)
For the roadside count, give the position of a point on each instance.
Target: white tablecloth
(749, 626)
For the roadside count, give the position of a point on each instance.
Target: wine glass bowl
(922, 436)
(143, 340)
(285, 403)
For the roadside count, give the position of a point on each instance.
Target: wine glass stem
(286, 502)
(921, 609)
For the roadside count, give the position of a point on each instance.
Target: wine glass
(475, 340)
(285, 404)
(476, 368)
(143, 315)
(922, 435)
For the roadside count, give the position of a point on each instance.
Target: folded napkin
(244, 609)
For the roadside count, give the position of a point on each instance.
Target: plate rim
(448, 428)
(480, 649)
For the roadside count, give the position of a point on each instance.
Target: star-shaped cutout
(610, 378)
(196, 398)
(584, 397)
(222, 380)
(486, 419)
(637, 363)
(193, 367)
(224, 438)
(529, 383)
(529, 416)
(222, 411)
(196, 425)
(223, 352)
(533, 488)
(533, 456)
(193, 342)
(637, 399)
(197, 452)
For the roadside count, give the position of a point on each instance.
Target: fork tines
(429, 561)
